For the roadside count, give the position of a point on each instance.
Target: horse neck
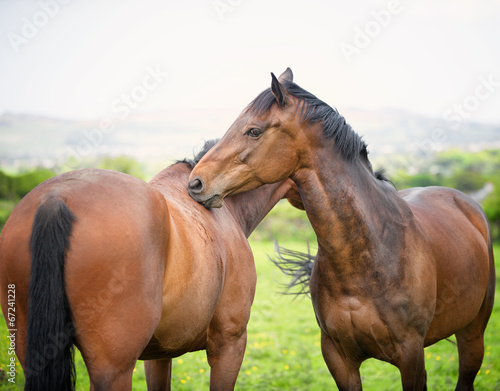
(250, 208)
(352, 212)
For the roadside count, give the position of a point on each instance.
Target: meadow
(283, 349)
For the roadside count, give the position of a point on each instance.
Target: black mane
(347, 142)
(206, 147)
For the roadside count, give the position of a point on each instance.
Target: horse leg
(470, 340)
(158, 374)
(470, 354)
(346, 374)
(225, 353)
(109, 378)
(412, 365)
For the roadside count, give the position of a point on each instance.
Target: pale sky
(81, 59)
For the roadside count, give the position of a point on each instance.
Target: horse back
(441, 208)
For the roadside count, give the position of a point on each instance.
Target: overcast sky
(84, 59)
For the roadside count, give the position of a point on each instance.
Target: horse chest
(357, 328)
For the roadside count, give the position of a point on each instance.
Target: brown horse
(127, 270)
(395, 271)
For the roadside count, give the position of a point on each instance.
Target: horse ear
(286, 76)
(278, 91)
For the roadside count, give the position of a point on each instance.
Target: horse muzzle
(197, 191)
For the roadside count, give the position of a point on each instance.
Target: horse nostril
(196, 186)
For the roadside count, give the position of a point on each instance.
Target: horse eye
(254, 132)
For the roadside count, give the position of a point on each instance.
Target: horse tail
(50, 336)
(296, 264)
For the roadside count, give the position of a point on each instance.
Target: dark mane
(347, 141)
(380, 175)
(206, 147)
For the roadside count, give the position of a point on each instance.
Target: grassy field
(283, 351)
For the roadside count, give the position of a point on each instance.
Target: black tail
(296, 264)
(50, 351)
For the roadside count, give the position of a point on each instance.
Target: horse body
(113, 268)
(148, 273)
(395, 272)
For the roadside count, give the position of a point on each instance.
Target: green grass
(283, 350)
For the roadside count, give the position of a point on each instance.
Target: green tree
(15, 187)
(491, 206)
(403, 181)
(466, 180)
(24, 183)
(125, 164)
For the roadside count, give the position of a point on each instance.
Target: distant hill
(162, 137)
(401, 132)
(159, 138)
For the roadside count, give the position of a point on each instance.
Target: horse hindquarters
(109, 262)
(466, 272)
(114, 281)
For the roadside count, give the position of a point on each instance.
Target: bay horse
(128, 270)
(395, 271)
